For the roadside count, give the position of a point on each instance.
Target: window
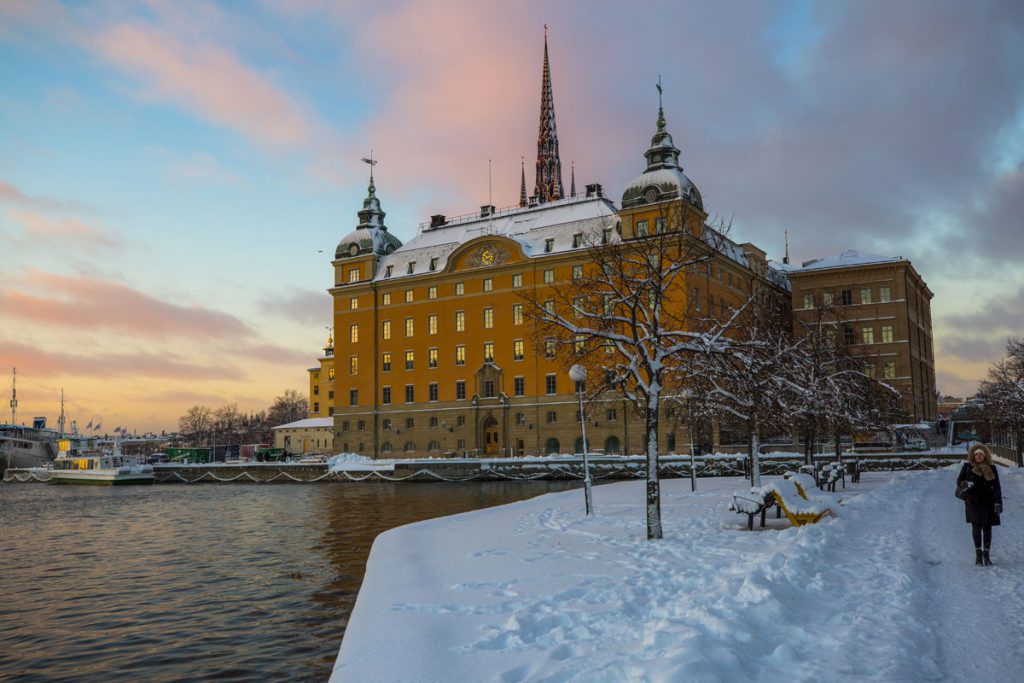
(606, 236)
(519, 386)
(460, 289)
(388, 270)
(385, 396)
(579, 343)
(432, 324)
(826, 298)
(549, 306)
(847, 296)
(517, 349)
(865, 295)
(460, 321)
(889, 369)
(488, 388)
(353, 397)
(460, 354)
(460, 390)
(517, 280)
(386, 424)
(552, 417)
(641, 228)
(577, 307)
(353, 303)
(432, 394)
(848, 338)
(409, 446)
(577, 240)
(460, 444)
(385, 329)
(385, 299)
(410, 422)
(432, 290)
(488, 284)
(577, 272)
(520, 418)
(868, 335)
(887, 334)
(460, 421)
(408, 296)
(550, 384)
(869, 369)
(330, 394)
(410, 396)
(410, 358)
(411, 268)
(659, 225)
(884, 294)
(353, 365)
(344, 426)
(432, 357)
(410, 328)
(517, 314)
(330, 411)
(549, 348)
(316, 390)
(385, 362)
(433, 446)
(488, 317)
(353, 333)
(353, 275)
(433, 264)
(488, 352)
(330, 374)
(612, 414)
(549, 276)
(808, 301)
(549, 245)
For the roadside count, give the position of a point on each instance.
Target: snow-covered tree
(624, 318)
(1002, 394)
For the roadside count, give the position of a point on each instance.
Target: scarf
(983, 469)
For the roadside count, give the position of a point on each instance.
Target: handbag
(961, 489)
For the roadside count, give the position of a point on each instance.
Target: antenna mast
(785, 259)
(60, 422)
(14, 397)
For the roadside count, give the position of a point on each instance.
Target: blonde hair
(982, 448)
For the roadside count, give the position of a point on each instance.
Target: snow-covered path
(535, 591)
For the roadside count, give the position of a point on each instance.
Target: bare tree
(1002, 393)
(288, 407)
(196, 424)
(624, 318)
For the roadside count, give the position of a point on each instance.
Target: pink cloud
(209, 81)
(11, 194)
(64, 231)
(89, 304)
(35, 362)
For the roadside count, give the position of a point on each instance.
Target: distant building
(312, 435)
(321, 383)
(881, 311)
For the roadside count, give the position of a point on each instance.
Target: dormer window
(606, 236)
(549, 245)
(433, 264)
(388, 270)
(577, 240)
(411, 268)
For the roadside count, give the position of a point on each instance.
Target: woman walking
(983, 499)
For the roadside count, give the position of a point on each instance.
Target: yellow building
(312, 435)
(321, 383)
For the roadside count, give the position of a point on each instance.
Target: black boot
(977, 556)
(984, 558)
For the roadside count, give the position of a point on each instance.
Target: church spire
(572, 185)
(549, 167)
(522, 182)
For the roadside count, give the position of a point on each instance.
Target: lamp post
(688, 395)
(578, 374)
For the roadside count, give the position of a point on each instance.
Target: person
(983, 500)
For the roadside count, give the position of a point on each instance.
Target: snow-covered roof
(850, 257)
(530, 227)
(308, 423)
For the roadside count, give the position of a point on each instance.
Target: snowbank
(537, 591)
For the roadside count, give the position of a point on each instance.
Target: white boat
(79, 463)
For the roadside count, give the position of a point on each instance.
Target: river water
(187, 582)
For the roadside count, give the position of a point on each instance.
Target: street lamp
(578, 374)
(688, 395)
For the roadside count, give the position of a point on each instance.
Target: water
(176, 582)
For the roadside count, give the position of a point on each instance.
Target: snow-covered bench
(832, 473)
(791, 497)
(754, 502)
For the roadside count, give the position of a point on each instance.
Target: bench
(754, 502)
(789, 496)
(831, 474)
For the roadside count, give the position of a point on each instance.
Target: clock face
(487, 257)
(651, 195)
(354, 249)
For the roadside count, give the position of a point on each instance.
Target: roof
(309, 423)
(530, 227)
(847, 259)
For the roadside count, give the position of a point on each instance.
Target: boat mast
(60, 422)
(14, 398)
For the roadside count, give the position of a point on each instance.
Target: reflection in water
(203, 581)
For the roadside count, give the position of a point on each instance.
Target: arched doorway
(611, 446)
(551, 446)
(577, 446)
(492, 444)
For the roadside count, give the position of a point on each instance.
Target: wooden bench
(754, 502)
(789, 496)
(831, 474)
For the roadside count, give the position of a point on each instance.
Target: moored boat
(78, 462)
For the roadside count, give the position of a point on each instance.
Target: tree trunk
(839, 449)
(653, 484)
(755, 461)
(1020, 448)
(809, 435)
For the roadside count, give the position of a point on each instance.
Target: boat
(23, 447)
(79, 461)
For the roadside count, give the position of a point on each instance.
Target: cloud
(208, 80)
(14, 195)
(62, 232)
(300, 305)
(273, 354)
(1004, 314)
(90, 304)
(37, 362)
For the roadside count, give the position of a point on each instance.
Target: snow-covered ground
(535, 591)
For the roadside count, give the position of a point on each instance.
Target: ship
(22, 446)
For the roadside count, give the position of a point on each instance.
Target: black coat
(980, 503)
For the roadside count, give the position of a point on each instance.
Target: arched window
(611, 446)
(577, 447)
(409, 446)
(551, 446)
(386, 447)
(433, 446)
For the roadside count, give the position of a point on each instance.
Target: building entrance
(491, 438)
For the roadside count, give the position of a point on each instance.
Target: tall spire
(522, 181)
(572, 185)
(549, 167)
(663, 153)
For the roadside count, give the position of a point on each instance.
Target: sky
(174, 177)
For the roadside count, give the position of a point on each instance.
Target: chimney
(532, 201)
(437, 220)
(595, 190)
(486, 210)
